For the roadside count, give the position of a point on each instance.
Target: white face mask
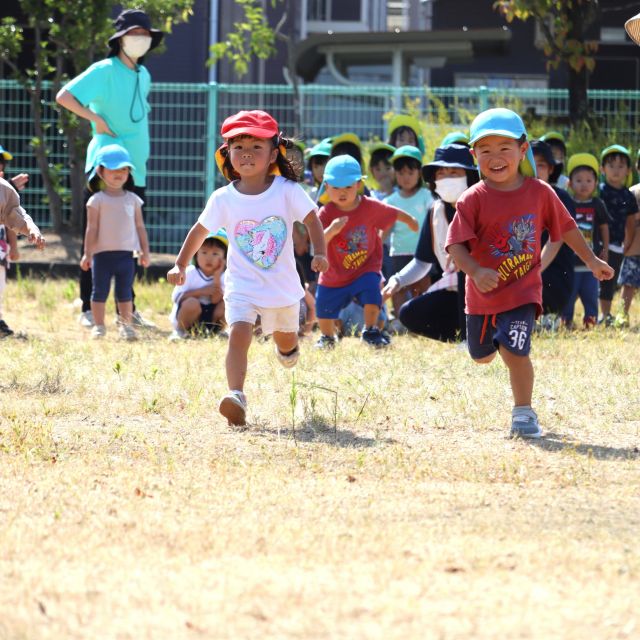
(136, 46)
(450, 189)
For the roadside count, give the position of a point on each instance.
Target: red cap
(250, 123)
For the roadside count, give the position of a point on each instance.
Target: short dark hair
(215, 242)
(348, 149)
(582, 167)
(396, 133)
(616, 156)
(380, 155)
(411, 163)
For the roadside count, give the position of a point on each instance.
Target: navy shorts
(113, 264)
(512, 329)
(205, 323)
(331, 300)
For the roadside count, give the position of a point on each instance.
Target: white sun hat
(632, 27)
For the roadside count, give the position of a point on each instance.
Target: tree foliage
(557, 20)
(564, 25)
(65, 37)
(252, 37)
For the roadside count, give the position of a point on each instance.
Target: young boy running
(352, 225)
(495, 239)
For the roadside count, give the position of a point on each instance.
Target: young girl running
(258, 209)
(115, 229)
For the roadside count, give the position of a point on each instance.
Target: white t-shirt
(261, 267)
(194, 279)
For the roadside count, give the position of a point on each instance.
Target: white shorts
(283, 319)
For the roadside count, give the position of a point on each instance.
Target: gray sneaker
(98, 332)
(288, 361)
(86, 319)
(524, 423)
(127, 332)
(234, 408)
(138, 320)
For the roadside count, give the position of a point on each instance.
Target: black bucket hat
(456, 156)
(542, 148)
(133, 19)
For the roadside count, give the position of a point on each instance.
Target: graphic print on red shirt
(357, 249)
(502, 230)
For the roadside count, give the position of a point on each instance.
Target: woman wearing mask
(438, 313)
(112, 94)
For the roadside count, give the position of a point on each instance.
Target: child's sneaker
(288, 360)
(608, 320)
(234, 408)
(139, 321)
(178, 334)
(373, 336)
(524, 423)
(4, 330)
(86, 319)
(98, 331)
(325, 342)
(127, 332)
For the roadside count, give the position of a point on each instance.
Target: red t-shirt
(357, 249)
(502, 231)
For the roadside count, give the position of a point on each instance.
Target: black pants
(434, 315)
(556, 289)
(86, 281)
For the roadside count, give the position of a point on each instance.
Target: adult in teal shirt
(113, 95)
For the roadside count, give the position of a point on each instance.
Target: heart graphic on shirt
(262, 242)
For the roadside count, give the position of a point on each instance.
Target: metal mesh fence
(185, 121)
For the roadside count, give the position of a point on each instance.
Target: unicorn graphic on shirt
(262, 242)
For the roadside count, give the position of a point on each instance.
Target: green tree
(68, 35)
(253, 37)
(565, 26)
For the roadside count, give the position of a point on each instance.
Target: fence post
(483, 98)
(212, 134)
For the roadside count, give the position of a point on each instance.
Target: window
(334, 10)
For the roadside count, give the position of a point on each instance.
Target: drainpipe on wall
(214, 9)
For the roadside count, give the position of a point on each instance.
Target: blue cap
(342, 171)
(407, 151)
(112, 156)
(456, 156)
(505, 123)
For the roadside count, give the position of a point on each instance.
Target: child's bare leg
(371, 313)
(627, 296)
(125, 311)
(240, 336)
(286, 342)
(218, 314)
(605, 307)
(398, 299)
(521, 376)
(189, 313)
(327, 326)
(97, 309)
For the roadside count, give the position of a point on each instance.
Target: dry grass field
(129, 509)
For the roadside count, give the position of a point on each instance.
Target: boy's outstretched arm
(599, 268)
(191, 244)
(485, 279)
(317, 237)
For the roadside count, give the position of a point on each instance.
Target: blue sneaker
(373, 336)
(524, 423)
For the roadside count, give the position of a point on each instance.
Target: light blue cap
(505, 123)
(342, 171)
(407, 151)
(112, 156)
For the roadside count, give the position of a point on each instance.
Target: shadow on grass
(558, 442)
(321, 432)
